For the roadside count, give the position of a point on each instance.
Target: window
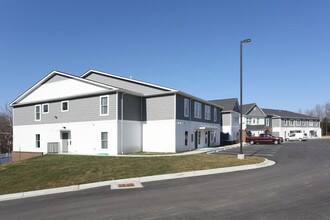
(298, 122)
(104, 105)
(186, 138)
(215, 116)
(37, 140)
(37, 115)
(206, 137)
(303, 123)
(198, 110)
(291, 122)
(285, 122)
(310, 123)
(45, 108)
(186, 107)
(257, 121)
(104, 140)
(207, 112)
(267, 121)
(248, 121)
(65, 106)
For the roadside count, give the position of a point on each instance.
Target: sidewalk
(197, 151)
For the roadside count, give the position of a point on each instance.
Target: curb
(145, 179)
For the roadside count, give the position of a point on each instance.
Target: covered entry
(205, 137)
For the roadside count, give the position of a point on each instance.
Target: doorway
(66, 141)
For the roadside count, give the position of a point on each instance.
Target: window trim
(215, 114)
(108, 97)
(197, 106)
(42, 108)
(67, 101)
(104, 141)
(207, 113)
(35, 113)
(186, 106)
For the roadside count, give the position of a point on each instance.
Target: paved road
(297, 187)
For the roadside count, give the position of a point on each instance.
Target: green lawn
(51, 171)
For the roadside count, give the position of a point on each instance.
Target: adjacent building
(283, 123)
(230, 120)
(105, 114)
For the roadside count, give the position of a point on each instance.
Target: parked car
(297, 137)
(264, 139)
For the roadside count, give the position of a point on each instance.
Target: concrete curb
(145, 179)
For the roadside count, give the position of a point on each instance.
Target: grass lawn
(51, 171)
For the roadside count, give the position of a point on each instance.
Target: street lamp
(241, 154)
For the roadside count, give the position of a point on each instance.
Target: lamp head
(246, 40)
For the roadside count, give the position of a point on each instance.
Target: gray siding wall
(132, 107)
(119, 83)
(276, 122)
(255, 112)
(226, 119)
(180, 111)
(80, 110)
(158, 108)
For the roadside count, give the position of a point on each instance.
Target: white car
(297, 137)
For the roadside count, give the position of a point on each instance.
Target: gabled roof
(133, 81)
(287, 114)
(227, 104)
(51, 75)
(247, 108)
(161, 90)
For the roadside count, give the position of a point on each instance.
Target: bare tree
(6, 129)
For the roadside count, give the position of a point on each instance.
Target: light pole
(241, 154)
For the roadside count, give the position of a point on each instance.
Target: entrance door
(196, 139)
(65, 136)
(209, 139)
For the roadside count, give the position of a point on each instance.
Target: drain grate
(129, 185)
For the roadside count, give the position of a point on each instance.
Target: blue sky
(189, 45)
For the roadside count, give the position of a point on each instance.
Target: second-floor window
(37, 113)
(215, 116)
(186, 107)
(65, 106)
(104, 105)
(310, 124)
(45, 108)
(207, 112)
(291, 123)
(198, 110)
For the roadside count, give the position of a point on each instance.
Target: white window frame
(285, 122)
(267, 122)
(207, 114)
(291, 122)
(310, 123)
(198, 110)
(105, 140)
(298, 123)
(35, 113)
(101, 97)
(42, 108)
(68, 105)
(186, 107)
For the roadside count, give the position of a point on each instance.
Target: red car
(264, 139)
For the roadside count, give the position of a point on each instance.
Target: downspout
(122, 123)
